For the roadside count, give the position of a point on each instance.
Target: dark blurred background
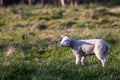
(57, 2)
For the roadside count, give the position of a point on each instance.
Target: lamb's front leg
(78, 58)
(83, 60)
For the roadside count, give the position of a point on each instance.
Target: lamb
(82, 48)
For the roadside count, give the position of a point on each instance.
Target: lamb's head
(65, 41)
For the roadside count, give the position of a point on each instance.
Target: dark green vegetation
(29, 37)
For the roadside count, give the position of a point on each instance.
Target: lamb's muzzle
(82, 48)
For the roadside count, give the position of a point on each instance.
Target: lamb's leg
(83, 60)
(78, 58)
(106, 57)
(105, 61)
(102, 58)
(102, 54)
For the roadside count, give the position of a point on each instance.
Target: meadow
(29, 42)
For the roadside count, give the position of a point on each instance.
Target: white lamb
(82, 48)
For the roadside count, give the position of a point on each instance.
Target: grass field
(29, 48)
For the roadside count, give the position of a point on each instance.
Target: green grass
(37, 54)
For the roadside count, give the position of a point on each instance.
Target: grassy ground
(29, 48)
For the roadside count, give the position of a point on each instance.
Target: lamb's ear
(62, 36)
(69, 37)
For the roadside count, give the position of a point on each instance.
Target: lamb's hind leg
(102, 58)
(104, 61)
(100, 55)
(106, 58)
